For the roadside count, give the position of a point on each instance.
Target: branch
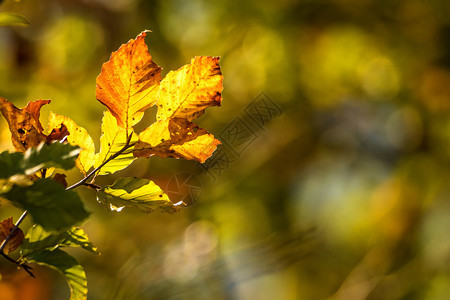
(22, 265)
(86, 178)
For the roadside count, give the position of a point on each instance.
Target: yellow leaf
(113, 139)
(178, 138)
(188, 91)
(5, 228)
(129, 82)
(140, 193)
(26, 129)
(77, 136)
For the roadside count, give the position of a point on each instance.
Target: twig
(83, 181)
(24, 266)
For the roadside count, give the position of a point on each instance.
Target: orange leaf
(26, 129)
(77, 136)
(57, 134)
(129, 82)
(178, 138)
(188, 91)
(5, 228)
(61, 179)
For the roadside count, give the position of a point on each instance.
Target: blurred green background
(343, 194)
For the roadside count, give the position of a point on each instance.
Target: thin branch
(86, 178)
(6, 240)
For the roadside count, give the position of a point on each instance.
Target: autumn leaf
(183, 96)
(61, 179)
(5, 228)
(57, 134)
(78, 136)
(129, 82)
(178, 138)
(141, 193)
(188, 91)
(112, 141)
(26, 129)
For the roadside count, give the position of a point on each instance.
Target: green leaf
(72, 271)
(8, 19)
(135, 192)
(112, 141)
(50, 205)
(38, 239)
(56, 155)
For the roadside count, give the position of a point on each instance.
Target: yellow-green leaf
(188, 91)
(77, 136)
(113, 139)
(38, 239)
(140, 193)
(72, 271)
(129, 82)
(178, 138)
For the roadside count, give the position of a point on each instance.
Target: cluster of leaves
(129, 83)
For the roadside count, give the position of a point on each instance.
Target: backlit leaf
(177, 138)
(72, 271)
(38, 239)
(26, 129)
(57, 134)
(5, 228)
(188, 91)
(141, 193)
(77, 136)
(113, 140)
(49, 204)
(129, 82)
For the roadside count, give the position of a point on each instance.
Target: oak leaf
(129, 82)
(26, 129)
(188, 91)
(78, 136)
(178, 138)
(5, 228)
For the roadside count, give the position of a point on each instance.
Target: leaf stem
(6, 240)
(86, 178)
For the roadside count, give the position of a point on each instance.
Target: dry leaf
(61, 179)
(188, 91)
(26, 129)
(57, 134)
(178, 138)
(5, 228)
(77, 136)
(129, 82)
